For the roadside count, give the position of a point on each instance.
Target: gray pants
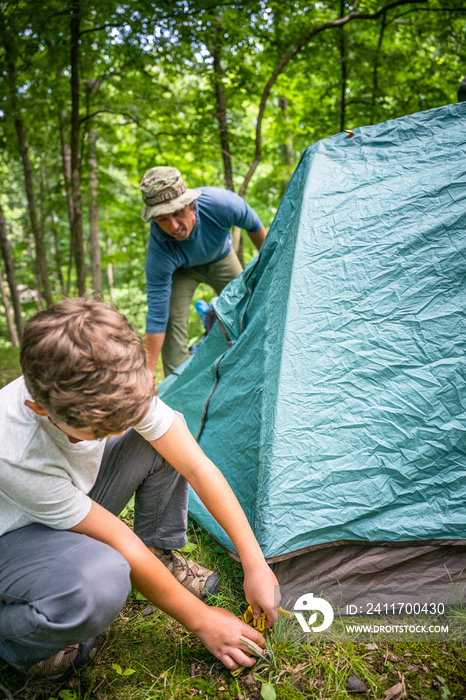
(184, 282)
(58, 587)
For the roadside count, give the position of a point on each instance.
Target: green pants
(184, 283)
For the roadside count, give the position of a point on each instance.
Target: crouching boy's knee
(96, 597)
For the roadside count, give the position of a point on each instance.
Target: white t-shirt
(44, 478)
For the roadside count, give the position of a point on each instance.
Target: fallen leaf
(391, 656)
(396, 692)
(371, 647)
(298, 668)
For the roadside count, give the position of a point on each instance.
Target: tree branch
(353, 15)
(427, 9)
(8, 695)
(133, 120)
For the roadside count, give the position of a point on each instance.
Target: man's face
(179, 224)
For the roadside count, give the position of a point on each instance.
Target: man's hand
(153, 345)
(221, 632)
(257, 237)
(262, 592)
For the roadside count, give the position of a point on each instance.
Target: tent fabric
(331, 391)
(373, 575)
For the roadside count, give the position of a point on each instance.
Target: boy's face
(74, 435)
(78, 434)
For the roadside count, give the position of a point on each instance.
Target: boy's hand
(262, 592)
(220, 632)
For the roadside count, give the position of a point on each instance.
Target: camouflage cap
(164, 191)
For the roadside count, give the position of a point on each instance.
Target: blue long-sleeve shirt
(216, 212)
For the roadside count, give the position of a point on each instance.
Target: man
(190, 242)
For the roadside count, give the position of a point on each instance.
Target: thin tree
(77, 220)
(94, 231)
(41, 259)
(10, 274)
(9, 321)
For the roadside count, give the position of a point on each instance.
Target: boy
(67, 561)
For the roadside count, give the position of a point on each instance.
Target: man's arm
(181, 450)
(153, 344)
(218, 629)
(257, 237)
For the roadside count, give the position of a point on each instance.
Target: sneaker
(66, 663)
(196, 578)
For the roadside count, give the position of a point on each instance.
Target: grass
(145, 655)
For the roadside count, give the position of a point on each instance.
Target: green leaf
(126, 672)
(188, 548)
(268, 691)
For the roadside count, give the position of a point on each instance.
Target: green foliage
(127, 672)
(149, 81)
(9, 365)
(268, 691)
(66, 695)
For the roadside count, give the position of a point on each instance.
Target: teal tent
(331, 392)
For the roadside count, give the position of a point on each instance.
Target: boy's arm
(181, 450)
(218, 629)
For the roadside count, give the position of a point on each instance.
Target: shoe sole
(212, 585)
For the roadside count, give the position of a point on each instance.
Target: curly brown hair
(85, 366)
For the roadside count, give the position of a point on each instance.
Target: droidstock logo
(308, 603)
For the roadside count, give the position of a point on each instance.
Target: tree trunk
(77, 223)
(287, 148)
(10, 275)
(38, 294)
(66, 166)
(58, 261)
(94, 232)
(222, 118)
(344, 70)
(9, 320)
(36, 230)
(375, 72)
(23, 148)
(109, 272)
(221, 115)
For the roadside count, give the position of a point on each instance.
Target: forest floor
(147, 655)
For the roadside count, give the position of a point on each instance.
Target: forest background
(94, 93)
